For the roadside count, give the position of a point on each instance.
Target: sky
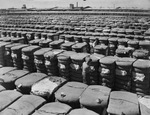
(144, 4)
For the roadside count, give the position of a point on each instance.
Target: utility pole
(76, 4)
(114, 6)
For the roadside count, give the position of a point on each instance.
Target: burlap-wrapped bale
(79, 47)
(120, 36)
(121, 31)
(138, 37)
(93, 72)
(4, 70)
(70, 93)
(56, 44)
(51, 62)
(144, 103)
(18, 38)
(95, 98)
(25, 105)
(2, 53)
(3, 34)
(133, 44)
(28, 57)
(8, 58)
(140, 54)
(35, 42)
(123, 52)
(86, 40)
(7, 80)
(123, 103)
(145, 45)
(76, 66)
(39, 59)
(66, 55)
(25, 83)
(7, 97)
(18, 34)
(96, 34)
(67, 46)
(112, 46)
(113, 35)
(130, 37)
(103, 40)
(30, 36)
(24, 37)
(53, 108)
(78, 39)
(122, 43)
(37, 35)
(107, 71)
(2, 88)
(52, 36)
(6, 39)
(99, 29)
(140, 77)
(17, 56)
(62, 36)
(82, 33)
(93, 43)
(101, 49)
(64, 65)
(82, 112)
(114, 30)
(44, 43)
(147, 38)
(124, 73)
(14, 34)
(43, 36)
(47, 86)
(73, 33)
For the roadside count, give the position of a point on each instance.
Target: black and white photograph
(74, 57)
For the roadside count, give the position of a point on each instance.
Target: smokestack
(77, 4)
